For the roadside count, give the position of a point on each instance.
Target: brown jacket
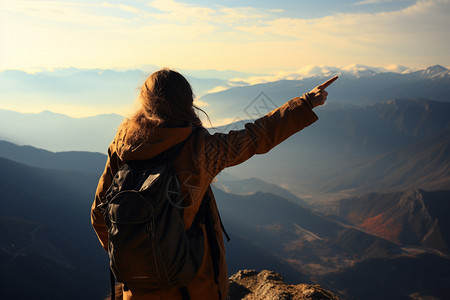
(202, 158)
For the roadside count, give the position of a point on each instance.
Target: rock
(268, 285)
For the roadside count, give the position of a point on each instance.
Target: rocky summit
(268, 285)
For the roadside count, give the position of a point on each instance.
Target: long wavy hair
(166, 98)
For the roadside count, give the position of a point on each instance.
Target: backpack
(148, 245)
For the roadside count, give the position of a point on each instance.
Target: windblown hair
(166, 97)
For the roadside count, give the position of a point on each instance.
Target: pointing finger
(327, 83)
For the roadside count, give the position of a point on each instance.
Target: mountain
(374, 128)
(424, 164)
(71, 89)
(305, 239)
(417, 117)
(354, 92)
(436, 72)
(254, 285)
(421, 276)
(391, 244)
(243, 253)
(413, 217)
(89, 162)
(357, 88)
(40, 261)
(382, 126)
(45, 226)
(46, 237)
(363, 145)
(58, 132)
(338, 255)
(253, 185)
(359, 149)
(77, 91)
(53, 207)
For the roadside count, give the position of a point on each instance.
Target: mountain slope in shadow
(253, 185)
(56, 205)
(308, 241)
(425, 164)
(414, 217)
(337, 255)
(394, 144)
(39, 261)
(82, 161)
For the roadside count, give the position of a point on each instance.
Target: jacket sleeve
(224, 150)
(97, 218)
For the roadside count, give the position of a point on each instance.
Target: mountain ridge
(424, 164)
(83, 161)
(349, 88)
(357, 143)
(412, 217)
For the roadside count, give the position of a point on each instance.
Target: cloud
(124, 7)
(114, 34)
(382, 32)
(200, 103)
(217, 89)
(62, 12)
(316, 70)
(365, 2)
(225, 121)
(181, 13)
(276, 10)
(239, 14)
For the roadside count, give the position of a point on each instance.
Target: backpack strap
(184, 293)
(212, 240)
(223, 227)
(113, 284)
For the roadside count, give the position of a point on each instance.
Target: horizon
(44, 91)
(37, 99)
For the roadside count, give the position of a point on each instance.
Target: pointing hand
(318, 95)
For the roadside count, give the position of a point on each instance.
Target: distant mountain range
(58, 132)
(357, 149)
(357, 88)
(93, 91)
(253, 185)
(82, 161)
(392, 145)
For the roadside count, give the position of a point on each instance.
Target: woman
(167, 117)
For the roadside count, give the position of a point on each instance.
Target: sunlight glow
(94, 34)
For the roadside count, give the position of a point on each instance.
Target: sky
(249, 36)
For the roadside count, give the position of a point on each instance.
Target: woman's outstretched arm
(224, 150)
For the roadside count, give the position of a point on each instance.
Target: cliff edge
(268, 285)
